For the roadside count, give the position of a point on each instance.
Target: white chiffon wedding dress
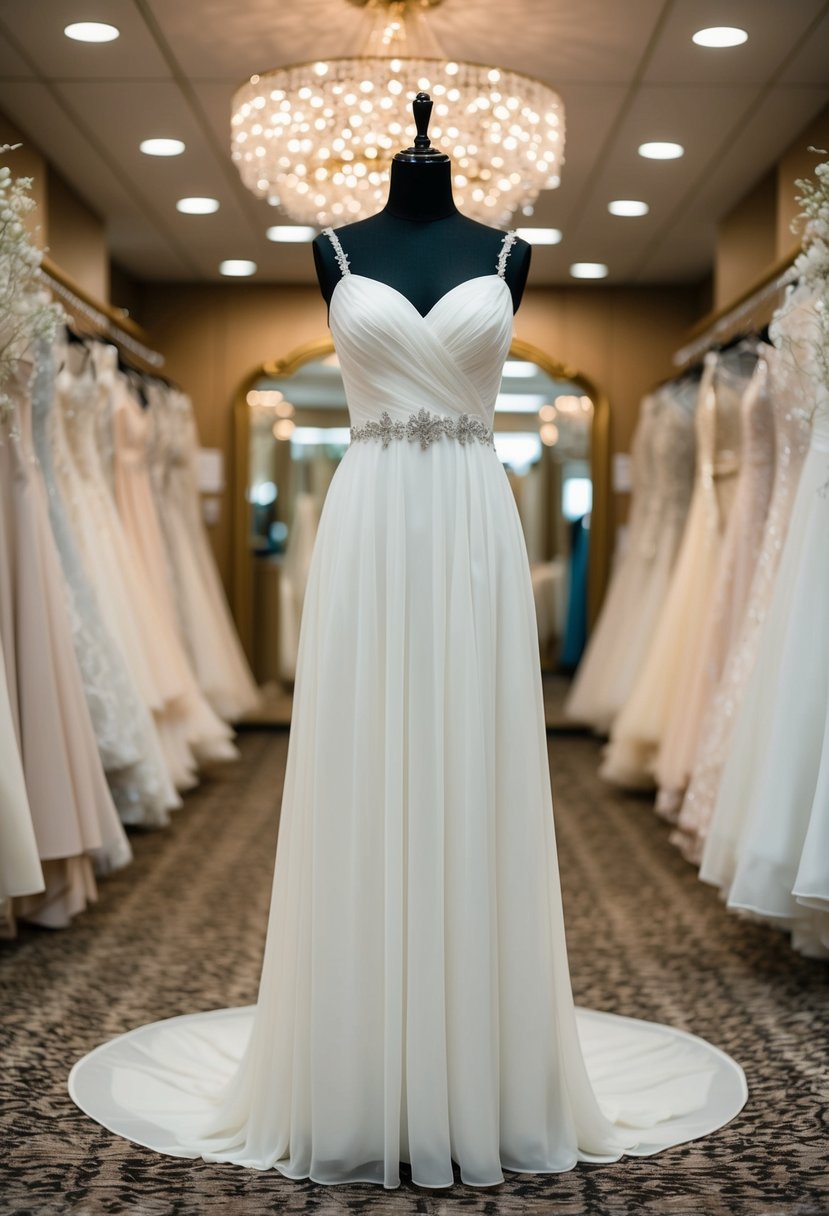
(415, 1002)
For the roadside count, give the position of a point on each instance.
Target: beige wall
(64, 224)
(747, 241)
(27, 161)
(797, 162)
(757, 232)
(77, 238)
(216, 337)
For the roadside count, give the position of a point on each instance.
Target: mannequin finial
(422, 149)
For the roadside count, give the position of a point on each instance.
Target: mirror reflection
(298, 433)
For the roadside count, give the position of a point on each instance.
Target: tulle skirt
(415, 1001)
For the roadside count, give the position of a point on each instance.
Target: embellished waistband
(424, 428)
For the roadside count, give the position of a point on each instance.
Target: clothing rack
(101, 317)
(727, 323)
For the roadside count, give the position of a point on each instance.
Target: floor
(182, 929)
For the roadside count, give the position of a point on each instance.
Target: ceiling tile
(38, 29)
(760, 143)
(678, 60)
(13, 65)
(810, 64)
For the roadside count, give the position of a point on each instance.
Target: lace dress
(415, 1002)
(75, 821)
(123, 726)
(768, 842)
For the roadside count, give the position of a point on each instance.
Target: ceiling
(627, 71)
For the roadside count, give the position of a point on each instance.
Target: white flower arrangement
(812, 264)
(26, 314)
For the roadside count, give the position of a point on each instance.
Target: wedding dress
(75, 821)
(415, 1002)
(740, 526)
(784, 452)
(201, 729)
(656, 704)
(663, 472)
(122, 595)
(768, 846)
(124, 730)
(207, 628)
(20, 870)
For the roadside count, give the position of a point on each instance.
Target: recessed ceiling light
(291, 232)
(91, 31)
(628, 206)
(237, 268)
(589, 270)
(197, 206)
(161, 147)
(540, 236)
(661, 150)
(720, 35)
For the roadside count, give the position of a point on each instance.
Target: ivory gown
(189, 714)
(663, 455)
(206, 625)
(782, 454)
(20, 871)
(740, 525)
(122, 595)
(588, 700)
(124, 730)
(415, 1001)
(656, 704)
(74, 819)
(768, 845)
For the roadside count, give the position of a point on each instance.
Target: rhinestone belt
(424, 428)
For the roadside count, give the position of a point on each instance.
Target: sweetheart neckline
(424, 316)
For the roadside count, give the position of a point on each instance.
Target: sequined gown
(415, 1003)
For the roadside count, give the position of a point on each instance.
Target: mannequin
(420, 244)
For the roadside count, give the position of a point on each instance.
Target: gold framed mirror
(291, 429)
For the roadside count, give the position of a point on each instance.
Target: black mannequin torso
(420, 244)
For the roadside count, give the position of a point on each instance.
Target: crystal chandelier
(317, 138)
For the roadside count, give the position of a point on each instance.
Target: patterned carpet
(182, 929)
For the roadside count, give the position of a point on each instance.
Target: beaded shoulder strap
(506, 245)
(339, 253)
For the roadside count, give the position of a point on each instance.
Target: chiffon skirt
(415, 1002)
(768, 843)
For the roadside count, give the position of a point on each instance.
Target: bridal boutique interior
(173, 414)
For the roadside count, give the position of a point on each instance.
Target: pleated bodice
(393, 359)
